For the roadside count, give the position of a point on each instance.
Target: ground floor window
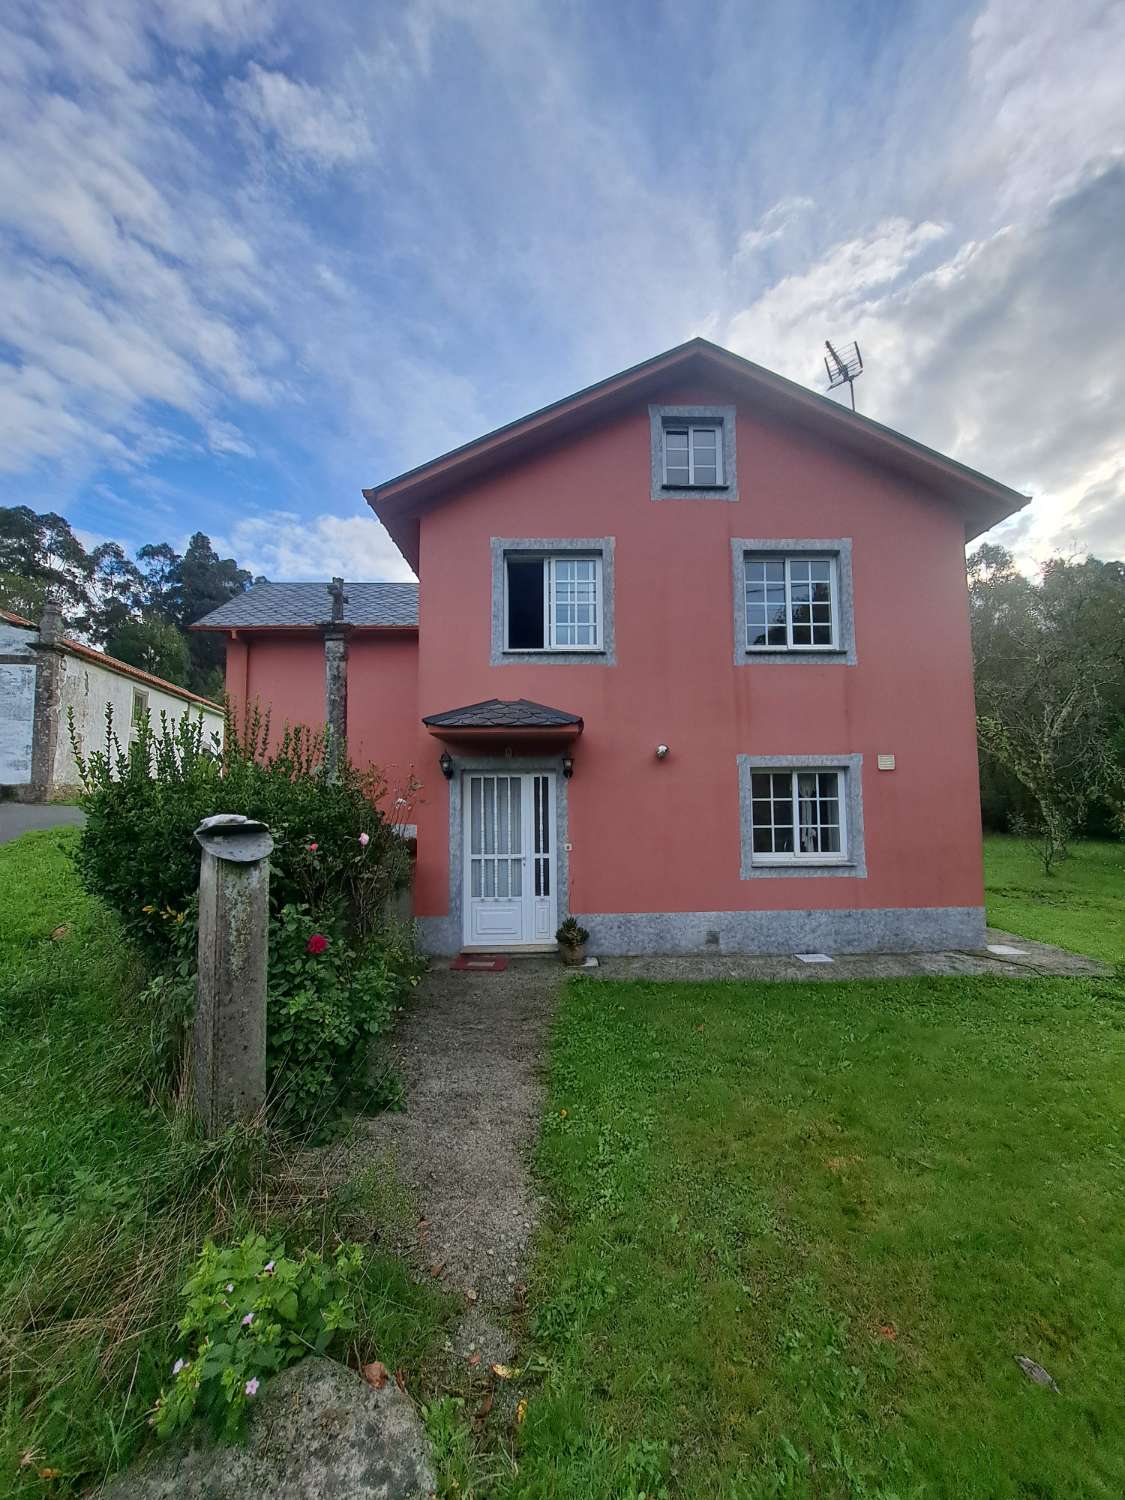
(797, 814)
(801, 815)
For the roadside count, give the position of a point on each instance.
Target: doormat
(487, 963)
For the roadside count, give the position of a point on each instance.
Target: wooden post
(230, 1008)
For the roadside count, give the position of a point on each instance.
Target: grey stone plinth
(317, 1432)
(230, 1008)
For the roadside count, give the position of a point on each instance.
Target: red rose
(317, 943)
(312, 848)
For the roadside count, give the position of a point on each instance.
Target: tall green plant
(335, 852)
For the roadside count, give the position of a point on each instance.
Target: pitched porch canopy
(504, 720)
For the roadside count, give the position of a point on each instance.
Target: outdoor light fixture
(661, 751)
(568, 766)
(445, 761)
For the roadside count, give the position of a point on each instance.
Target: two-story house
(688, 657)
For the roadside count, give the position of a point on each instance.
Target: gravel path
(470, 1052)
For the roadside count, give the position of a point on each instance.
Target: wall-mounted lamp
(661, 751)
(445, 761)
(568, 766)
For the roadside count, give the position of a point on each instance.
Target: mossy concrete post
(230, 1003)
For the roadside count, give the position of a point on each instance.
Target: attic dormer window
(693, 455)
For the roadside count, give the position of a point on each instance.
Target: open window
(553, 602)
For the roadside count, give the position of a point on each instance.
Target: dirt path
(470, 1053)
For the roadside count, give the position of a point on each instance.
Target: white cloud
(774, 224)
(287, 547)
(305, 121)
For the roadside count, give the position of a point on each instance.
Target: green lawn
(1080, 906)
(106, 1194)
(798, 1233)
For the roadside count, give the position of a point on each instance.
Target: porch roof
(497, 718)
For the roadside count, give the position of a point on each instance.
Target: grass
(106, 1194)
(1080, 906)
(800, 1233)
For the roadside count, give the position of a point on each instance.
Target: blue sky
(255, 256)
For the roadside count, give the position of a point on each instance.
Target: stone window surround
(853, 866)
(838, 548)
(722, 416)
(601, 547)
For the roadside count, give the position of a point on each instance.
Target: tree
(1050, 683)
(40, 557)
(153, 645)
(116, 592)
(200, 583)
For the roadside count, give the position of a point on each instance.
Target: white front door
(509, 858)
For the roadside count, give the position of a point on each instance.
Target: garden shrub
(334, 849)
(252, 1311)
(327, 1002)
(337, 964)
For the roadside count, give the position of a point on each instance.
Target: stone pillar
(49, 667)
(336, 676)
(230, 1008)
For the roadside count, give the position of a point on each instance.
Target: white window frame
(691, 428)
(786, 559)
(800, 856)
(550, 643)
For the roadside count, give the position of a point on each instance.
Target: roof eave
(399, 501)
(295, 629)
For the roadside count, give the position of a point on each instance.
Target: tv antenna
(844, 367)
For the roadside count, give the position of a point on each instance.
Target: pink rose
(364, 840)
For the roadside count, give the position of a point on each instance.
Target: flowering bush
(334, 850)
(252, 1311)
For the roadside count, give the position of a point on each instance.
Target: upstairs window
(798, 815)
(791, 603)
(553, 603)
(693, 455)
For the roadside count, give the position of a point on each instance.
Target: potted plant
(572, 939)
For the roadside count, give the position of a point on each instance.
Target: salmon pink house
(688, 658)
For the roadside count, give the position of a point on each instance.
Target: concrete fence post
(230, 1004)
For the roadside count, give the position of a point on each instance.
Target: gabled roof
(112, 664)
(503, 713)
(296, 606)
(399, 502)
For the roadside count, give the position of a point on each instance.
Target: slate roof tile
(302, 604)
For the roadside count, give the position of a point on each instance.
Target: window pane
(502, 877)
(706, 474)
(517, 878)
(675, 439)
(474, 816)
(475, 877)
(525, 604)
(488, 843)
(763, 841)
(760, 784)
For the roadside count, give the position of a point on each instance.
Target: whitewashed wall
(87, 688)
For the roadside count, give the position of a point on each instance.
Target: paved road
(22, 817)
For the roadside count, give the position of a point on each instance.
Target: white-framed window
(693, 454)
(553, 602)
(140, 708)
(798, 815)
(791, 603)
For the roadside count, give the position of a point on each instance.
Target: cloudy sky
(255, 254)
